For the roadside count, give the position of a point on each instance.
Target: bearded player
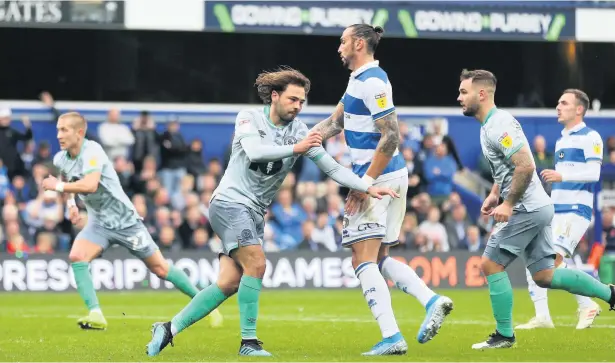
(367, 116)
(268, 141)
(524, 217)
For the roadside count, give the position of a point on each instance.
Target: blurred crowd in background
(170, 182)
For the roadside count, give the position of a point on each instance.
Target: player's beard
(471, 110)
(346, 61)
(283, 115)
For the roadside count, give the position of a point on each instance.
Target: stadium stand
(170, 183)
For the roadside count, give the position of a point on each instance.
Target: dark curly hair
(278, 81)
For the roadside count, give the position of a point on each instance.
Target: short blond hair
(78, 121)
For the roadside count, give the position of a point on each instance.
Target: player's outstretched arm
(522, 176)
(389, 142)
(333, 124)
(344, 176)
(258, 152)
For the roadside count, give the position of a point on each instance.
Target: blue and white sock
(378, 297)
(406, 279)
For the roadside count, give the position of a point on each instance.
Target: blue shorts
(527, 235)
(236, 225)
(135, 238)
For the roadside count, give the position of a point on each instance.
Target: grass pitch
(295, 325)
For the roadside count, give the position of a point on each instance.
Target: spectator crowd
(170, 183)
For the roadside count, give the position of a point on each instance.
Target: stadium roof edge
(234, 108)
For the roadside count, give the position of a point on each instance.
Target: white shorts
(383, 217)
(568, 229)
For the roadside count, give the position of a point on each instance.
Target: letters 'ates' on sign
(62, 14)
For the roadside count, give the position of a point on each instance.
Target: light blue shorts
(236, 224)
(135, 238)
(527, 235)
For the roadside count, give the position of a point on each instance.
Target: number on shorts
(567, 230)
(563, 230)
(137, 241)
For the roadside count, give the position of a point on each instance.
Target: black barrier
(119, 271)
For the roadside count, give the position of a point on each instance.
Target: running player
(578, 159)
(112, 218)
(524, 218)
(267, 142)
(367, 116)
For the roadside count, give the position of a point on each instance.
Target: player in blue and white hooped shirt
(578, 160)
(366, 114)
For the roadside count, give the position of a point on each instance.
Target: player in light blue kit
(366, 114)
(267, 142)
(523, 219)
(578, 160)
(112, 218)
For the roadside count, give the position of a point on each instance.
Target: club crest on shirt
(381, 100)
(505, 140)
(290, 140)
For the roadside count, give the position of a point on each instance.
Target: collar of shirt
(363, 68)
(574, 129)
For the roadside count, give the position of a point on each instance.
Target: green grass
(296, 325)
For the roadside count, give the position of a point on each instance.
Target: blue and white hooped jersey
(368, 97)
(577, 147)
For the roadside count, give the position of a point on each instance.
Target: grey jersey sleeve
(247, 134)
(507, 137)
(245, 125)
(329, 166)
(57, 162)
(58, 157)
(94, 158)
(257, 152)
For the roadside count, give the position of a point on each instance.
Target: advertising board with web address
(408, 20)
(117, 270)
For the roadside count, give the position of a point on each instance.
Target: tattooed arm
(333, 124)
(522, 176)
(389, 142)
